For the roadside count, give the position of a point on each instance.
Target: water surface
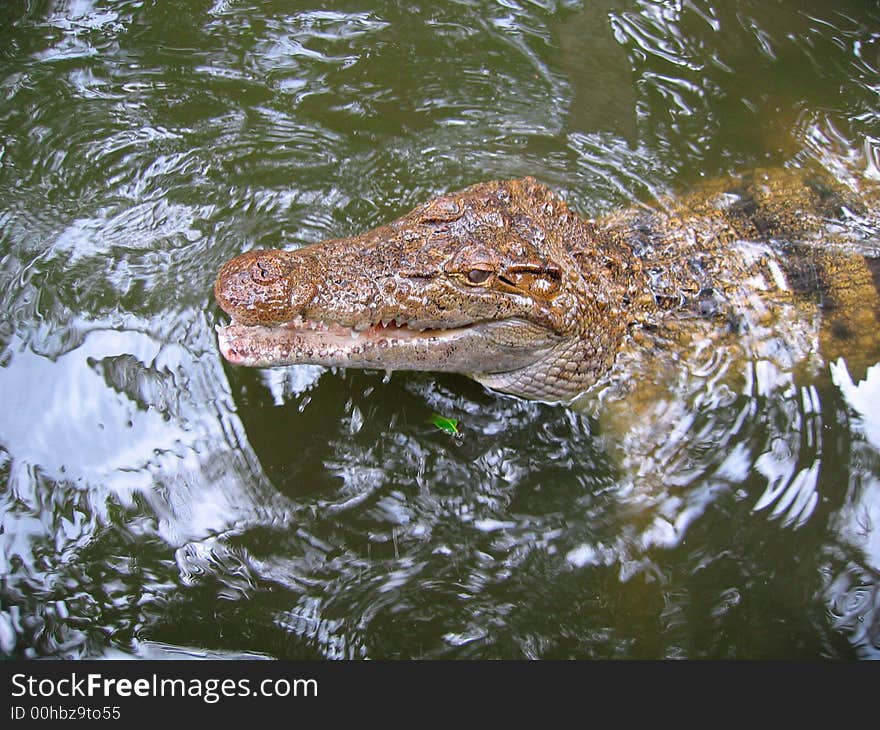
(154, 500)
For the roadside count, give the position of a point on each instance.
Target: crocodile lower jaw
(309, 341)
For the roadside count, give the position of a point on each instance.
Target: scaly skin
(504, 283)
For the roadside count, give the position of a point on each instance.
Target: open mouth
(325, 343)
(366, 329)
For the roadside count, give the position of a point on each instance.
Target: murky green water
(155, 499)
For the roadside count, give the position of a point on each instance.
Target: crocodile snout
(256, 288)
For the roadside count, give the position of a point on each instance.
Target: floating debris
(450, 425)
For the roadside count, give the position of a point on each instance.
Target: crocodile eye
(478, 276)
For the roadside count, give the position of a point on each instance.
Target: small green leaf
(450, 425)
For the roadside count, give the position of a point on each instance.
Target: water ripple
(155, 502)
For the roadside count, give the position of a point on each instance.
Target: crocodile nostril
(265, 272)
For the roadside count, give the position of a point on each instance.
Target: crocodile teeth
(389, 326)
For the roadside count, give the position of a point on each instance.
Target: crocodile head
(488, 281)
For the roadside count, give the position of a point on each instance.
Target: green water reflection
(154, 499)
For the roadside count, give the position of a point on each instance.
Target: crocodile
(505, 283)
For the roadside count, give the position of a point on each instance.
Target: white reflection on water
(863, 398)
(286, 383)
(852, 593)
(859, 519)
(121, 416)
(162, 651)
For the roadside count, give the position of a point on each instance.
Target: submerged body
(504, 283)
